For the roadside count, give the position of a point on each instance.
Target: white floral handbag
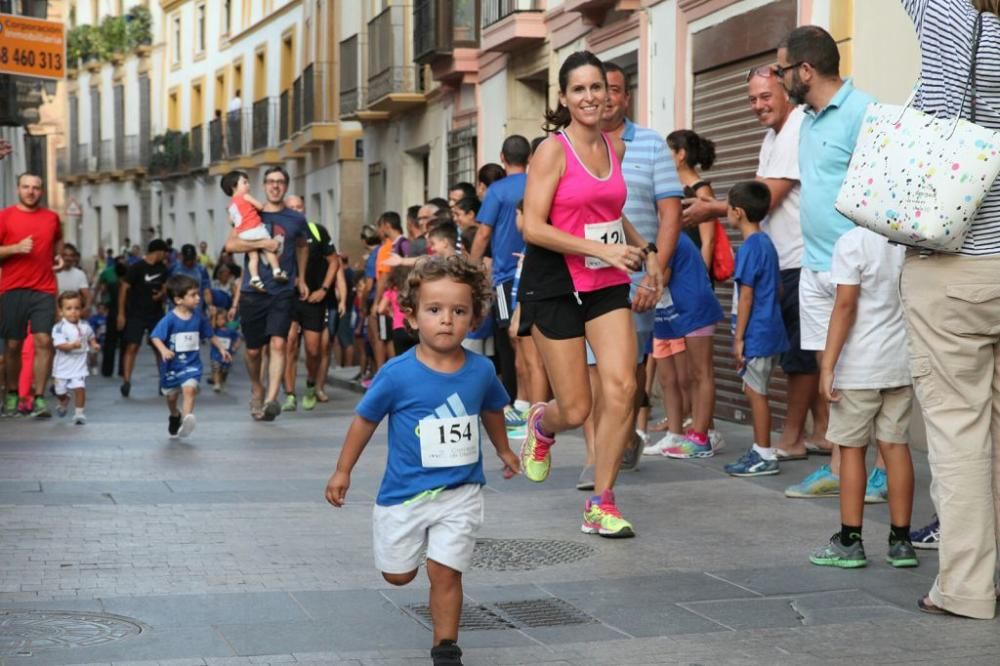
(919, 180)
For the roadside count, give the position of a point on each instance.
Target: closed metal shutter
(722, 114)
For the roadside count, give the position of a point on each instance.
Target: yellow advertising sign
(32, 47)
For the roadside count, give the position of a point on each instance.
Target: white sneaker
(187, 426)
(717, 441)
(80, 419)
(658, 447)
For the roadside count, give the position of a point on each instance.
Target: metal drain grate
(525, 614)
(551, 612)
(526, 554)
(23, 632)
(474, 618)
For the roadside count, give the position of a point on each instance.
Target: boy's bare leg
(802, 391)
(673, 399)
(899, 470)
(172, 404)
(445, 600)
(79, 397)
(187, 405)
(853, 478)
(761, 413)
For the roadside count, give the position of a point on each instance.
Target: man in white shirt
(72, 277)
(778, 168)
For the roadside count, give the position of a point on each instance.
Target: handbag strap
(971, 85)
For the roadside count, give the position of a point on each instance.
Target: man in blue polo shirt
(653, 206)
(809, 68)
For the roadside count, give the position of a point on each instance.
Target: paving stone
(208, 609)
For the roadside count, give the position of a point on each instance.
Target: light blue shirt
(826, 144)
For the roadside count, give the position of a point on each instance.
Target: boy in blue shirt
(434, 395)
(760, 336)
(230, 337)
(177, 338)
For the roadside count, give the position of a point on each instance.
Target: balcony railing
(284, 116)
(131, 154)
(309, 95)
(296, 105)
(403, 79)
(63, 166)
(170, 154)
(439, 26)
(81, 159)
(215, 140)
(387, 72)
(265, 123)
(106, 157)
(497, 10)
(234, 133)
(119, 149)
(196, 140)
(350, 76)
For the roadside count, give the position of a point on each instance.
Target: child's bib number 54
(449, 442)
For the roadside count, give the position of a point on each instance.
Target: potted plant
(113, 37)
(139, 26)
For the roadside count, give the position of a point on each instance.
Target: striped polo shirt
(945, 30)
(650, 175)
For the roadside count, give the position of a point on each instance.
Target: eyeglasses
(780, 71)
(274, 181)
(765, 71)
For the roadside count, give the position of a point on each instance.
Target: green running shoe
(603, 518)
(9, 405)
(289, 404)
(309, 399)
(836, 554)
(535, 459)
(40, 409)
(902, 555)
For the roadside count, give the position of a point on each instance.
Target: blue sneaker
(877, 490)
(513, 418)
(751, 464)
(821, 483)
(928, 537)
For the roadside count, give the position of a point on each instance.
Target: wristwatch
(651, 248)
(324, 287)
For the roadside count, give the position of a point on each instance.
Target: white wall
(661, 73)
(493, 101)
(886, 68)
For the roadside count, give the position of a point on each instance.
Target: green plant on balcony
(139, 26)
(80, 45)
(170, 153)
(112, 37)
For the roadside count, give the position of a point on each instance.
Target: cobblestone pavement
(121, 546)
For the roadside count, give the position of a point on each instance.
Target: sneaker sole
(743, 475)
(840, 564)
(585, 486)
(676, 456)
(796, 494)
(875, 499)
(926, 546)
(187, 426)
(624, 533)
(903, 563)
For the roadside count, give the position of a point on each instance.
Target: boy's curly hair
(456, 268)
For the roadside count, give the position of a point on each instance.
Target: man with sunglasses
(778, 168)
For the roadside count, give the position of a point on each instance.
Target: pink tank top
(590, 207)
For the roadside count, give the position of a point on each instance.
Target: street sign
(73, 208)
(32, 47)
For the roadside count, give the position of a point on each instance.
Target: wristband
(651, 248)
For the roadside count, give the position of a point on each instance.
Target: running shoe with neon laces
(836, 554)
(821, 483)
(40, 408)
(513, 417)
(602, 517)
(927, 537)
(289, 404)
(10, 405)
(901, 555)
(309, 399)
(659, 447)
(535, 459)
(877, 488)
(752, 464)
(692, 445)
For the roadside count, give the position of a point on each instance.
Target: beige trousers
(952, 309)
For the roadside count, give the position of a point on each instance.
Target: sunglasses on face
(765, 71)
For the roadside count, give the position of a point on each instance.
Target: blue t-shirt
(757, 268)
(183, 337)
(99, 323)
(499, 211)
(229, 336)
(694, 303)
(484, 330)
(370, 271)
(290, 226)
(221, 298)
(408, 391)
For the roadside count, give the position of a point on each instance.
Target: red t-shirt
(33, 270)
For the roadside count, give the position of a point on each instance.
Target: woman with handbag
(952, 305)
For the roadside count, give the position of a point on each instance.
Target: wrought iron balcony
(131, 153)
(106, 156)
(284, 116)
(196, 141)
(296, 105)
(497, 10)
(216, 143)
(393, 85)
(509, 25)
(81, 161)
(265, 123)
(234, 133)
(440, 26)
(350, 76)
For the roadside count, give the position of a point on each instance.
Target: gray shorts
(19, 307)
(757, 372)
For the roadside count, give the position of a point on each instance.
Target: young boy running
(434, 395)
(177, 338)
(72, 338)
(760, 336)
(230, 336)
(865, 374)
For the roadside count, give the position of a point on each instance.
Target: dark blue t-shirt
(183, 337)
(370, 271)
(500, 212)
(290, 226)
(694, 303)
(229, 336)
(757, 268)
(408, 392)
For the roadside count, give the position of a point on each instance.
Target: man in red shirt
(30, 246)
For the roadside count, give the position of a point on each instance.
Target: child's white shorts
(255, 233)
(191, 382)
(64, 386)
(445, 526)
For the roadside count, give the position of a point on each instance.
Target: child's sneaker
(603, 518)
(173, 425)
(40, 408)
(692, 445)
(877, 488)
(513, 417)
(927, 537)
(717, 441)
(836, 554)
(217, 387)
(60, 409)
(446, 653)
(752, 464)
(187, 425)
(821, 483)
(309, 399)
(901, 554)
(80, 419)
(535, 458)
(633, 451)
(289, 405)
(257, 283)
(280, 276)
(659, 447)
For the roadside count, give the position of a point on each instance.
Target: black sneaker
(446, 653)
(174, 424)
(271, 411)
(125, 388)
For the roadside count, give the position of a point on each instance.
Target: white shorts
(64, 386)
(174, 390)
(816, 296)
(255, 233)
(444, 526)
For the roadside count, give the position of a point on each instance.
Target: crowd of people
(560, 291)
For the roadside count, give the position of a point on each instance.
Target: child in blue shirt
(177, 338)
(760, 336)
(230, 337)
(435, 394)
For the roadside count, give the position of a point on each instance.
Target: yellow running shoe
(535, 459)
(603, 518)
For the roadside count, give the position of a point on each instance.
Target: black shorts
(565, 317)
(263, 316)
(137, 326)
(19, 307)
(402, 340)
(384, 330)
(795, 360)
(310, 316)
(502, 312)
